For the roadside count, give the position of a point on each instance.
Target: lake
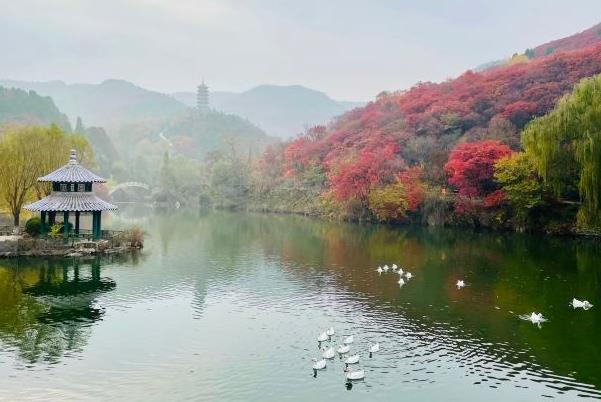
(228, 306)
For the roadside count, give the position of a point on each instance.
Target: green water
(225, 306)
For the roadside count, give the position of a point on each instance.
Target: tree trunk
(16, 219)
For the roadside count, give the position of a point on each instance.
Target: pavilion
(72, 193)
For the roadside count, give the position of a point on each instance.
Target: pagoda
(202, 98)
(72, 192)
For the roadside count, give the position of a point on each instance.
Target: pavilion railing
(113, 236)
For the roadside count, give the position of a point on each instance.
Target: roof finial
(73, 157)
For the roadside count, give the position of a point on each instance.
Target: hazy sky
(349, 49)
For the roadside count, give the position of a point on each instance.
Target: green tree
(521, 184)
(388, 203)
(565, 146)
(18, 168)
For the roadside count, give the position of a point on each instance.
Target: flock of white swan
(343, 350)
(535, 318)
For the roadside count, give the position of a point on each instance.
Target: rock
(73, 254)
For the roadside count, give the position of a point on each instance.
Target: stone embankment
(21, 246)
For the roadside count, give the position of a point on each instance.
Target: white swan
(394, 266)
(330, 331)
(380, 270)
(354, 374)
(322, 337)
(460, 284)
(535, 318)
(375, 348)
(581, 304)
(348, 340)
(400, 271)
(352, 359)
(328, 353)
(401, 282)
(319, 364)
(408, 275)
(386, 268)
(342, 349)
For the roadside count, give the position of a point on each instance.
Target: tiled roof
(72, 172)
(71, 202)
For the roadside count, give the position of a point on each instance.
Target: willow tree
(27, 152)
(18, 168)
(565, 146)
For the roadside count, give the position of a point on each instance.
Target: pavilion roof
(70, 202)
(72, 172)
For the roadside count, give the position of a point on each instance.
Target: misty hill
(194, 136)
(108, 104)
(282, 111)
(27, 107)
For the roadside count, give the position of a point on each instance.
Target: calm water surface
(227, 306)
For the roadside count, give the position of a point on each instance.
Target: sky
(350, 49)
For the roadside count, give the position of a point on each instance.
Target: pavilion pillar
(51, 218)
(77, 223)
(99, 224)
(66, 223)
(43, 219)
(94, 225)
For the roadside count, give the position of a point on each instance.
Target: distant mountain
(27, 107)
(282, 111)
(108, 104)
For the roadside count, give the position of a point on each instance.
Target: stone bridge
(129, 184)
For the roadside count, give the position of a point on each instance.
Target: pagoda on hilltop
(202, 98)
(72, 193)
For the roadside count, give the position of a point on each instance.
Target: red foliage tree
(471, 166)
(414, 189)
(353, 178)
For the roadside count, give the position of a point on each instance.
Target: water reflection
(47, 306)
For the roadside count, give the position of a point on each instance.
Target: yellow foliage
(388, 203)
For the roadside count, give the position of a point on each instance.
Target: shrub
(135, 237)
(388, 203)
(56, 230)
(33, 226)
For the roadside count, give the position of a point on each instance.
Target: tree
(470, 167)
(388, 203)
(565, 146)
(19, 169)
(522, 187)
(353, 179)
(27, 152)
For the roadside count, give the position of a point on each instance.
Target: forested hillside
(401, 142)
(27, 107)
(580, 40)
